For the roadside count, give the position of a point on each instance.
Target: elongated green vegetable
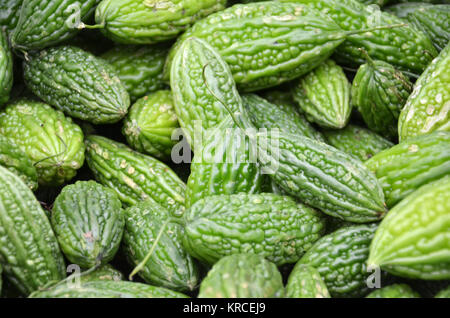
(407, 166)
(412, 241)
(305, 282)
(242, 276)
(29, 253)
(267, 43)
(324, 95)
(394, 291)
(406, 48)
(134, 176)
(6, 69)
(78, 83)
(169, 265)
(428, 107)
(272, 226)
(151, 21)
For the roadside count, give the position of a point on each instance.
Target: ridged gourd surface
(324, 177)
(78, 83)
(417, 161)
(414, 239)
(403, 46)
(169, 266)
(242, 276)
(29, 251)
(52, 141)
(273, 226)
(151, 21)
(428, 107)
(88, 221)
(134, 176)
(43, 23)
(340, 258)
(267, 43)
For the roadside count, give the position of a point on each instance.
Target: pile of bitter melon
(205, 148)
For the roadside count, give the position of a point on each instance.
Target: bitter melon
(324, 95)
(88, 222)
(44, 23)
(360, 142)
(340, 258)
(379, 91)
(53, 142)
(104, 272)
(283, 116)
(323, 177)
(29, 253)
(225, 164)
(394, 291)
(407, 166)
(150, 124)
(433, 21)
(134, 176)
(272, 226)
(405, 47)
(202, 85)
(412, 240)
(169, 265)
(9, 13)
(16, 161)
(267, 43)
(78, 83)
(402, 10)
(6, 69)
(428, 107)
(305, 282)
(107, 289)
(140, 68)
(151, 21)
(242, 276)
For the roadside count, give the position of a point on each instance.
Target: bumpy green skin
(285, 117)
(44, 23)
(324, 95)
(88, 222)
(357, 141)
(203, 88)
(169, 266)
(211, 174)
(78, 83)
(377, 2)
(407, 48)
(105, 272)
(379, 91)
(323, 177)
(140, 68)
(394, 291)
(29, 251)
(272, 226)
(9, 13)
(272, 42)
(407, 166)
(107, 289)
(445, 293)
(433, 21)
(412, 241)
(305, 282)
(134, 176)
(150, 124)
(428, 107)
(52, 142)
(6, 69)
(151, 21)
(402, 10)
(242, 276)
(16, 161)
(340, 258)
